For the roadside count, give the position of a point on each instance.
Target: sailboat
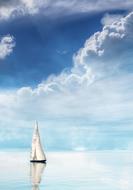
(37, 153)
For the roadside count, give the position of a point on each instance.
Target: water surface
(95, 170)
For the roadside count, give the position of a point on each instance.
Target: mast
(37, 153)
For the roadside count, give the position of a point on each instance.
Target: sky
(67, 64)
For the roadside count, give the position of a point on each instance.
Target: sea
(92, 170)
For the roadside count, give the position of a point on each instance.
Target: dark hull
(38, 161)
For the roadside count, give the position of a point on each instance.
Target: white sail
(37, 153)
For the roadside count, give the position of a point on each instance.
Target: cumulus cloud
(97, 89)
(13, 8)
(114, 41)
(7, 44)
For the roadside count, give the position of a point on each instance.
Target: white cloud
(114, 41)
(11, 9)
(6, 46)
(98, 88)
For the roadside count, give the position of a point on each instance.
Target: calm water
(107, 170)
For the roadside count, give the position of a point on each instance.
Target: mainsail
(37, 153)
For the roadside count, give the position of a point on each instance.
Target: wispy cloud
(12, 8)
(108, 19)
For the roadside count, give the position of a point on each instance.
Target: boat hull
(38, 161)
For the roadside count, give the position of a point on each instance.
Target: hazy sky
(67, 64)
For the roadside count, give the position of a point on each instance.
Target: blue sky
(43, 47)
(67, 64)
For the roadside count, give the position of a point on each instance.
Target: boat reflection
(36, 171)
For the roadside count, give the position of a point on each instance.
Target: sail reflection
(36, 170)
